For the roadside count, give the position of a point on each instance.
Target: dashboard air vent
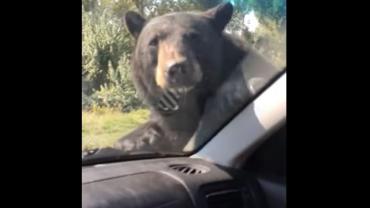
(189, 169)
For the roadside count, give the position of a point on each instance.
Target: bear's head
(179, 51)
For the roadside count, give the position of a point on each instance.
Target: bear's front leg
(147, 137)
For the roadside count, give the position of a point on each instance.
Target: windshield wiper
(106, 155)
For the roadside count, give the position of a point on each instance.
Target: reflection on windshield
(153, 83)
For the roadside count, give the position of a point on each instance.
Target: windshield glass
(160, 78)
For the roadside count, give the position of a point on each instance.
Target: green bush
(104, 42)
(119, 94)
(107, 46)
(115, 98)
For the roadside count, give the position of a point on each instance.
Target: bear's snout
(182, 73)
(176, 69)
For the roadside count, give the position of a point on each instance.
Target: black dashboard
(168, 183)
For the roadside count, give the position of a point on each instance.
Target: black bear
(181, 61)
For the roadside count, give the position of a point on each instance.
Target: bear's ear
(220, 15)
(134, 22)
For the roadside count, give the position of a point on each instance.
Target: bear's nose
(176, 69)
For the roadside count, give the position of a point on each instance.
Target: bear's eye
(153, 41)
(193, 36)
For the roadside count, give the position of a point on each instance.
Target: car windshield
(163, 84)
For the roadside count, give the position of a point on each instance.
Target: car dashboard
(168, 183)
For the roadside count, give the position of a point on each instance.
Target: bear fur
(184, 59)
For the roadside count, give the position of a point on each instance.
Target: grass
(102, 127)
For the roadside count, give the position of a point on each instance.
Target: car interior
(243, 165)
(250, 173)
